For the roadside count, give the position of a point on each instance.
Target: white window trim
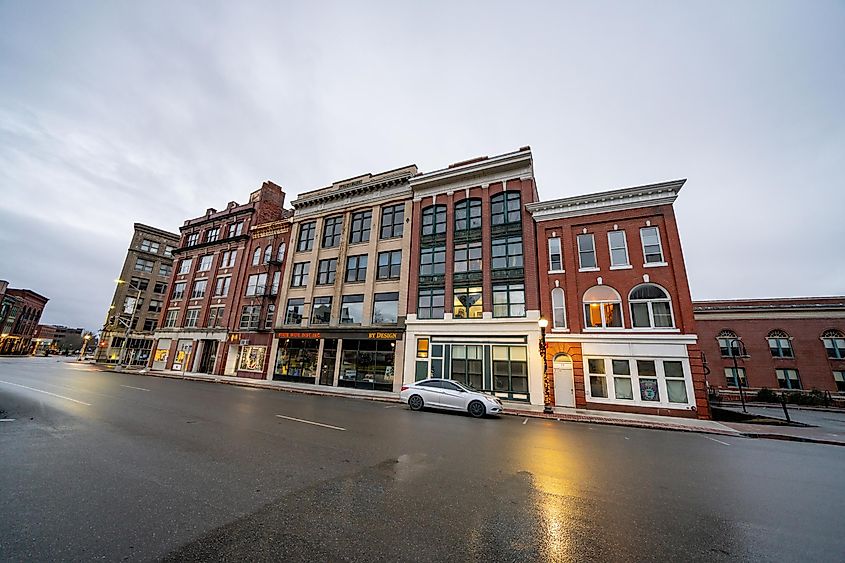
(663, 403)
(655, 264)
(560, 252)
(563, 307)
(659, 242)
(627, 263)
(581, 268)
(648, 303)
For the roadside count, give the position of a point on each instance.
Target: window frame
(360, 271)
(433, 220)
(558, 307)
(510, 289)
(646, 262)
(431, 293)
(649, 303)
(551, 242)
(357, 228)
(299, 274)
(394, 229)
(476, 307)
(582, 252)
(468, 208)
(504, 217)
(318, 303)
(509, 242)
(602, 304)
(627, 263)
(326, 271)
(305, 236)
(332, 231)
(394, 262)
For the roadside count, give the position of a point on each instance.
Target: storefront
(248, 354)
(356, 359)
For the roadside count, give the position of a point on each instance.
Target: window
(839, 379)
(352, 309)
(586, 252)
(293, 313)
(507, 252)
(468, 365)
(149, 325)
(252, 358)
(221, 288)
(191, 318)
(468, 215)
(228, 260)
(392, 221)
(788, 378)
(185, 265)
(468, 257)
(212, 235)
(321, 310)
(647, 371)
(834, 343)
(434, 220)
(676, 387)
(170, 318)
(268, 254)
(356, 268)
(204, 264)
(728, 343)
(160, 287)
(509, 300)
(235, 229)
(467, 304)
(168, 250)
(732, 374)
(422, 347)
(326, 270)
(555, 255)
(431, 304)
(280, 253)
(198, 291)
(155, 306)
(215, 317)
(780, 344)
(274, 287)
(150, 246)
(598, 379)
(650, 307)
(306, 236)
(256, 257)
(165, 270)
(505, 208)
(602, 307)
(299, 276)
(250, 317)
(179, 290)
(433, 261)
(359, 230)
(389, 264)
(386, 308)
(256, 284)
(618, 248)
(331, 231)
(268, 320)
(139, 283)
(652, 250)
(622, 387)
(558, 308)
(142, 265)
(510, 369)
(193, 239)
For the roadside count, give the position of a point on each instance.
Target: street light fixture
(85, 340)
(547, 391)
(737, 349)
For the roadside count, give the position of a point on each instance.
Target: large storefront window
(297, 360)
(367, 364)
(510, 369)
(648, 382)
(252, 358)
(467, 365)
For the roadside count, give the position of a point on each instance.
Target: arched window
(728, 340)
(834, 343)
(256, 257)
(650, 307)
(468, 214)
(505, 208)
(280, 255)
(268, 253)
(558, 308)
(780, 344)
(602, 307)
(434, 220)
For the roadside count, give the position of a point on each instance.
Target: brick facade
(20, 312)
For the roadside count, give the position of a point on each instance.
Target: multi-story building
(473, 304)
(614, 290)
(20, 311)
(57, 338)
(789, 343)
(218, 315)
(341, 321)
(127, 334)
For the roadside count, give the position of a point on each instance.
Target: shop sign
(298, 335)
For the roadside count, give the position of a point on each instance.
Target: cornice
(353, 188)
(509, 166)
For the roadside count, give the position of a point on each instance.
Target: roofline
(476, 166)
(155, 230)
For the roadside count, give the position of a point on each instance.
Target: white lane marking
(138, 388)
(715, 440)
(525, 421)
(46, 393)
(7, 419)
(311, 422)
(627, 438)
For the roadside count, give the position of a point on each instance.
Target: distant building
(789, 343)
(218, 315)
(137, 301)
(20, 311)
(56, 338)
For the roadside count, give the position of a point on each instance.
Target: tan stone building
(341, 322)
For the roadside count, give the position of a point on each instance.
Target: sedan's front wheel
(415, 402)
(477, 409)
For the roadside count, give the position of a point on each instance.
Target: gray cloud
(112, 113)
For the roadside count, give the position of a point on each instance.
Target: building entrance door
(564, 381)
(209, 351)
(329, 360)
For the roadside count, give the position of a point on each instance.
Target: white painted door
(564, 383)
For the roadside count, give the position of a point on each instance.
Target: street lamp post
(85, 340)
(129, 326)
(738, 349)
(547, 391)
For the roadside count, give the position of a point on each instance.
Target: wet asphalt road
(140, 468)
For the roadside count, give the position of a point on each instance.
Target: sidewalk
(534, 411)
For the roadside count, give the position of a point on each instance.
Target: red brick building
(20, 311)
(473, 301)
(791, 343)
(613, 286)
(223, 294)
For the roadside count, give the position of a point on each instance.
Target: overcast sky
(116, 112)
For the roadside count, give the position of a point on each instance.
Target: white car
(447, 394)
